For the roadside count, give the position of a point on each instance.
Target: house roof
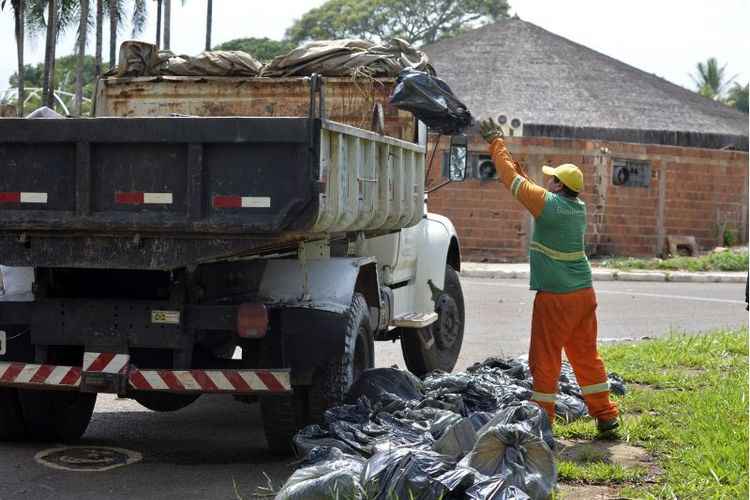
(560, 88)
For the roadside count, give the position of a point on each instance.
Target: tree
(167, 23)
(417, 22)
(158, 23)
(209, 16)
(737, 97)
(263, 49)
(114, 15)
(48, 82)
(82, 32)
(711, 80)
(18, 7)
(99, 35)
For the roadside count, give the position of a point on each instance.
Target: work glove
(490, 130)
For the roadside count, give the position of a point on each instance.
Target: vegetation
(418, 23)
(65, 77)
(712, 81)
(687, 404)
(725, 260)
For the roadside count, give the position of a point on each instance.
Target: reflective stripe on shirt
(556, 254)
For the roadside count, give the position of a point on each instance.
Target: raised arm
(521, 187)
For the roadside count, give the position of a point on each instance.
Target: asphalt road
(215, 448)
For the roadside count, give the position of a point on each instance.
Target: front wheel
(437, 346)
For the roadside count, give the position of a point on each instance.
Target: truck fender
(313, 297)
(439, 246)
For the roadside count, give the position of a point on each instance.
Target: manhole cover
(87, 458)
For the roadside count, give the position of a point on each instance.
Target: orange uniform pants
(568, 321)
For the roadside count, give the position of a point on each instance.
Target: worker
(564, 315)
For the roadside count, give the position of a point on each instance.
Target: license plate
(3, 342)
(165, 317)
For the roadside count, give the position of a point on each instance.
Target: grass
(725, 260)
(688, 406)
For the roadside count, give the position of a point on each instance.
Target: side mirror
(458, 158)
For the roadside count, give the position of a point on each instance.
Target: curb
(599, 274)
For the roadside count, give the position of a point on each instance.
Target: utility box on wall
(631, 173)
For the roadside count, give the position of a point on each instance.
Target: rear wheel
(283, 416)
(11, 418)
(56, 416)
(437, 346)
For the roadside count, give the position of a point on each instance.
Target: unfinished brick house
(658, 159)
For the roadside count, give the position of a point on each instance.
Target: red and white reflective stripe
(232, 381)
(139, 198)
(223, 201)
(105, 362)
(39, 375)
(23, 197)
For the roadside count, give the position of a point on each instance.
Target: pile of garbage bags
(469, 435)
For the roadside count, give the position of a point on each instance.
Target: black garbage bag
(495, 488)
(616, 384)
(389, 383)
(413, 474)
(523, 457)
(314, 436)
(570, 408)
(329, 474)
(527, 414)
(457, 440)
(432, 101)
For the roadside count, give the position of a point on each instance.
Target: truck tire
(12, 427)
(283, 416)
(332, 380)
(56, 416)
(437, 346)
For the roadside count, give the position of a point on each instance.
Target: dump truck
(244, 236)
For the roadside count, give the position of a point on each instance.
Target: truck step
(414, 320)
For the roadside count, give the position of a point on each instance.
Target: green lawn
(726, 260)
(687, 404)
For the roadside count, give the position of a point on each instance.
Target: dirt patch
(586, 491)
(613, 452)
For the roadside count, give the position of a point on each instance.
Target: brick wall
(691, 192)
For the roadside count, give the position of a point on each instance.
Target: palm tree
(99, 36)
(114, 15)
(710, 79)
(49, 55)
(158, 24)
(209, 16)
(18, 7)
(83, 29)
(167, 23)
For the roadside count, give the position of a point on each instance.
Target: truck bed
(161, 193)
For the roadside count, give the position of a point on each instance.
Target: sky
(664, 37)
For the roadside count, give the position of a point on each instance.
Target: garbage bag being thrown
(432, 101)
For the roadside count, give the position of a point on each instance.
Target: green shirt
(556, 253)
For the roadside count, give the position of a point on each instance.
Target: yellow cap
(569, 174)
